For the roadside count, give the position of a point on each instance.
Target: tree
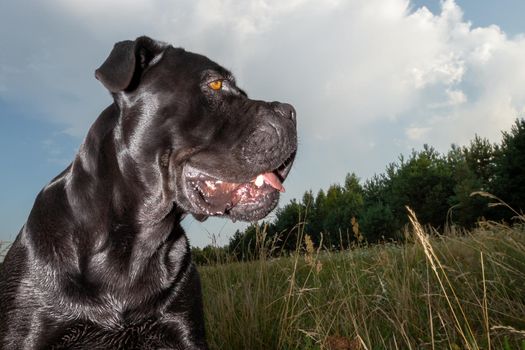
(209, 255)
(376, 219)
(316, 218)
(341, 204)
(473, 168)
(289, 225)
(509, 180)
(480, 156)
(242, 244)
(425, 183)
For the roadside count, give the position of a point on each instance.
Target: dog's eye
(215, 85)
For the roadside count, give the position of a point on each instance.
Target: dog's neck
(107, 200)
(133, 193)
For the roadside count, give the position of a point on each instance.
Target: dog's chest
(143, 335)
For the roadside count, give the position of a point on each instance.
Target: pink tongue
(272, 180)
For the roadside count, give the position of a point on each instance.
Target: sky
(370, 79)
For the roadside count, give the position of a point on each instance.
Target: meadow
(458, 290)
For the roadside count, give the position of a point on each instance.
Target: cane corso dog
(102, 261)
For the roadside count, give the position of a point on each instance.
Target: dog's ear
(127, 61)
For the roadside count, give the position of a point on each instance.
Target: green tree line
(437, 186)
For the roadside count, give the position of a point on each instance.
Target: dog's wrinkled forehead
(184, 71)
(215, 73)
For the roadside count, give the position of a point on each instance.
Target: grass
(462, 290)
(459, 291)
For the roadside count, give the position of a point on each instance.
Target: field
(463, 290)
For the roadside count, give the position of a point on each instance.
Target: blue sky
(370, 79)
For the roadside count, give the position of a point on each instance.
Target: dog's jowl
(102, 261)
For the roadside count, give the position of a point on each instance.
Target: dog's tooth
(259, 180)
(210, 184)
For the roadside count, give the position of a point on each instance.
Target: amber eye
(215, 85)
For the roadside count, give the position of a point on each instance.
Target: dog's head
(198, 136)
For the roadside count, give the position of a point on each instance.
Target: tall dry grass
(459, 291)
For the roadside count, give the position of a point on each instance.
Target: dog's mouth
(245, 200)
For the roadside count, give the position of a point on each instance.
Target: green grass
(449, 292)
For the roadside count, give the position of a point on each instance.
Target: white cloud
(416, 134)
(456, 97)
(343, 63)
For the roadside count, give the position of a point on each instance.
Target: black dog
(102, 262)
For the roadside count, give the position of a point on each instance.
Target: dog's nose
(285, 110)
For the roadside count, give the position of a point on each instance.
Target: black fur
(102, 261)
